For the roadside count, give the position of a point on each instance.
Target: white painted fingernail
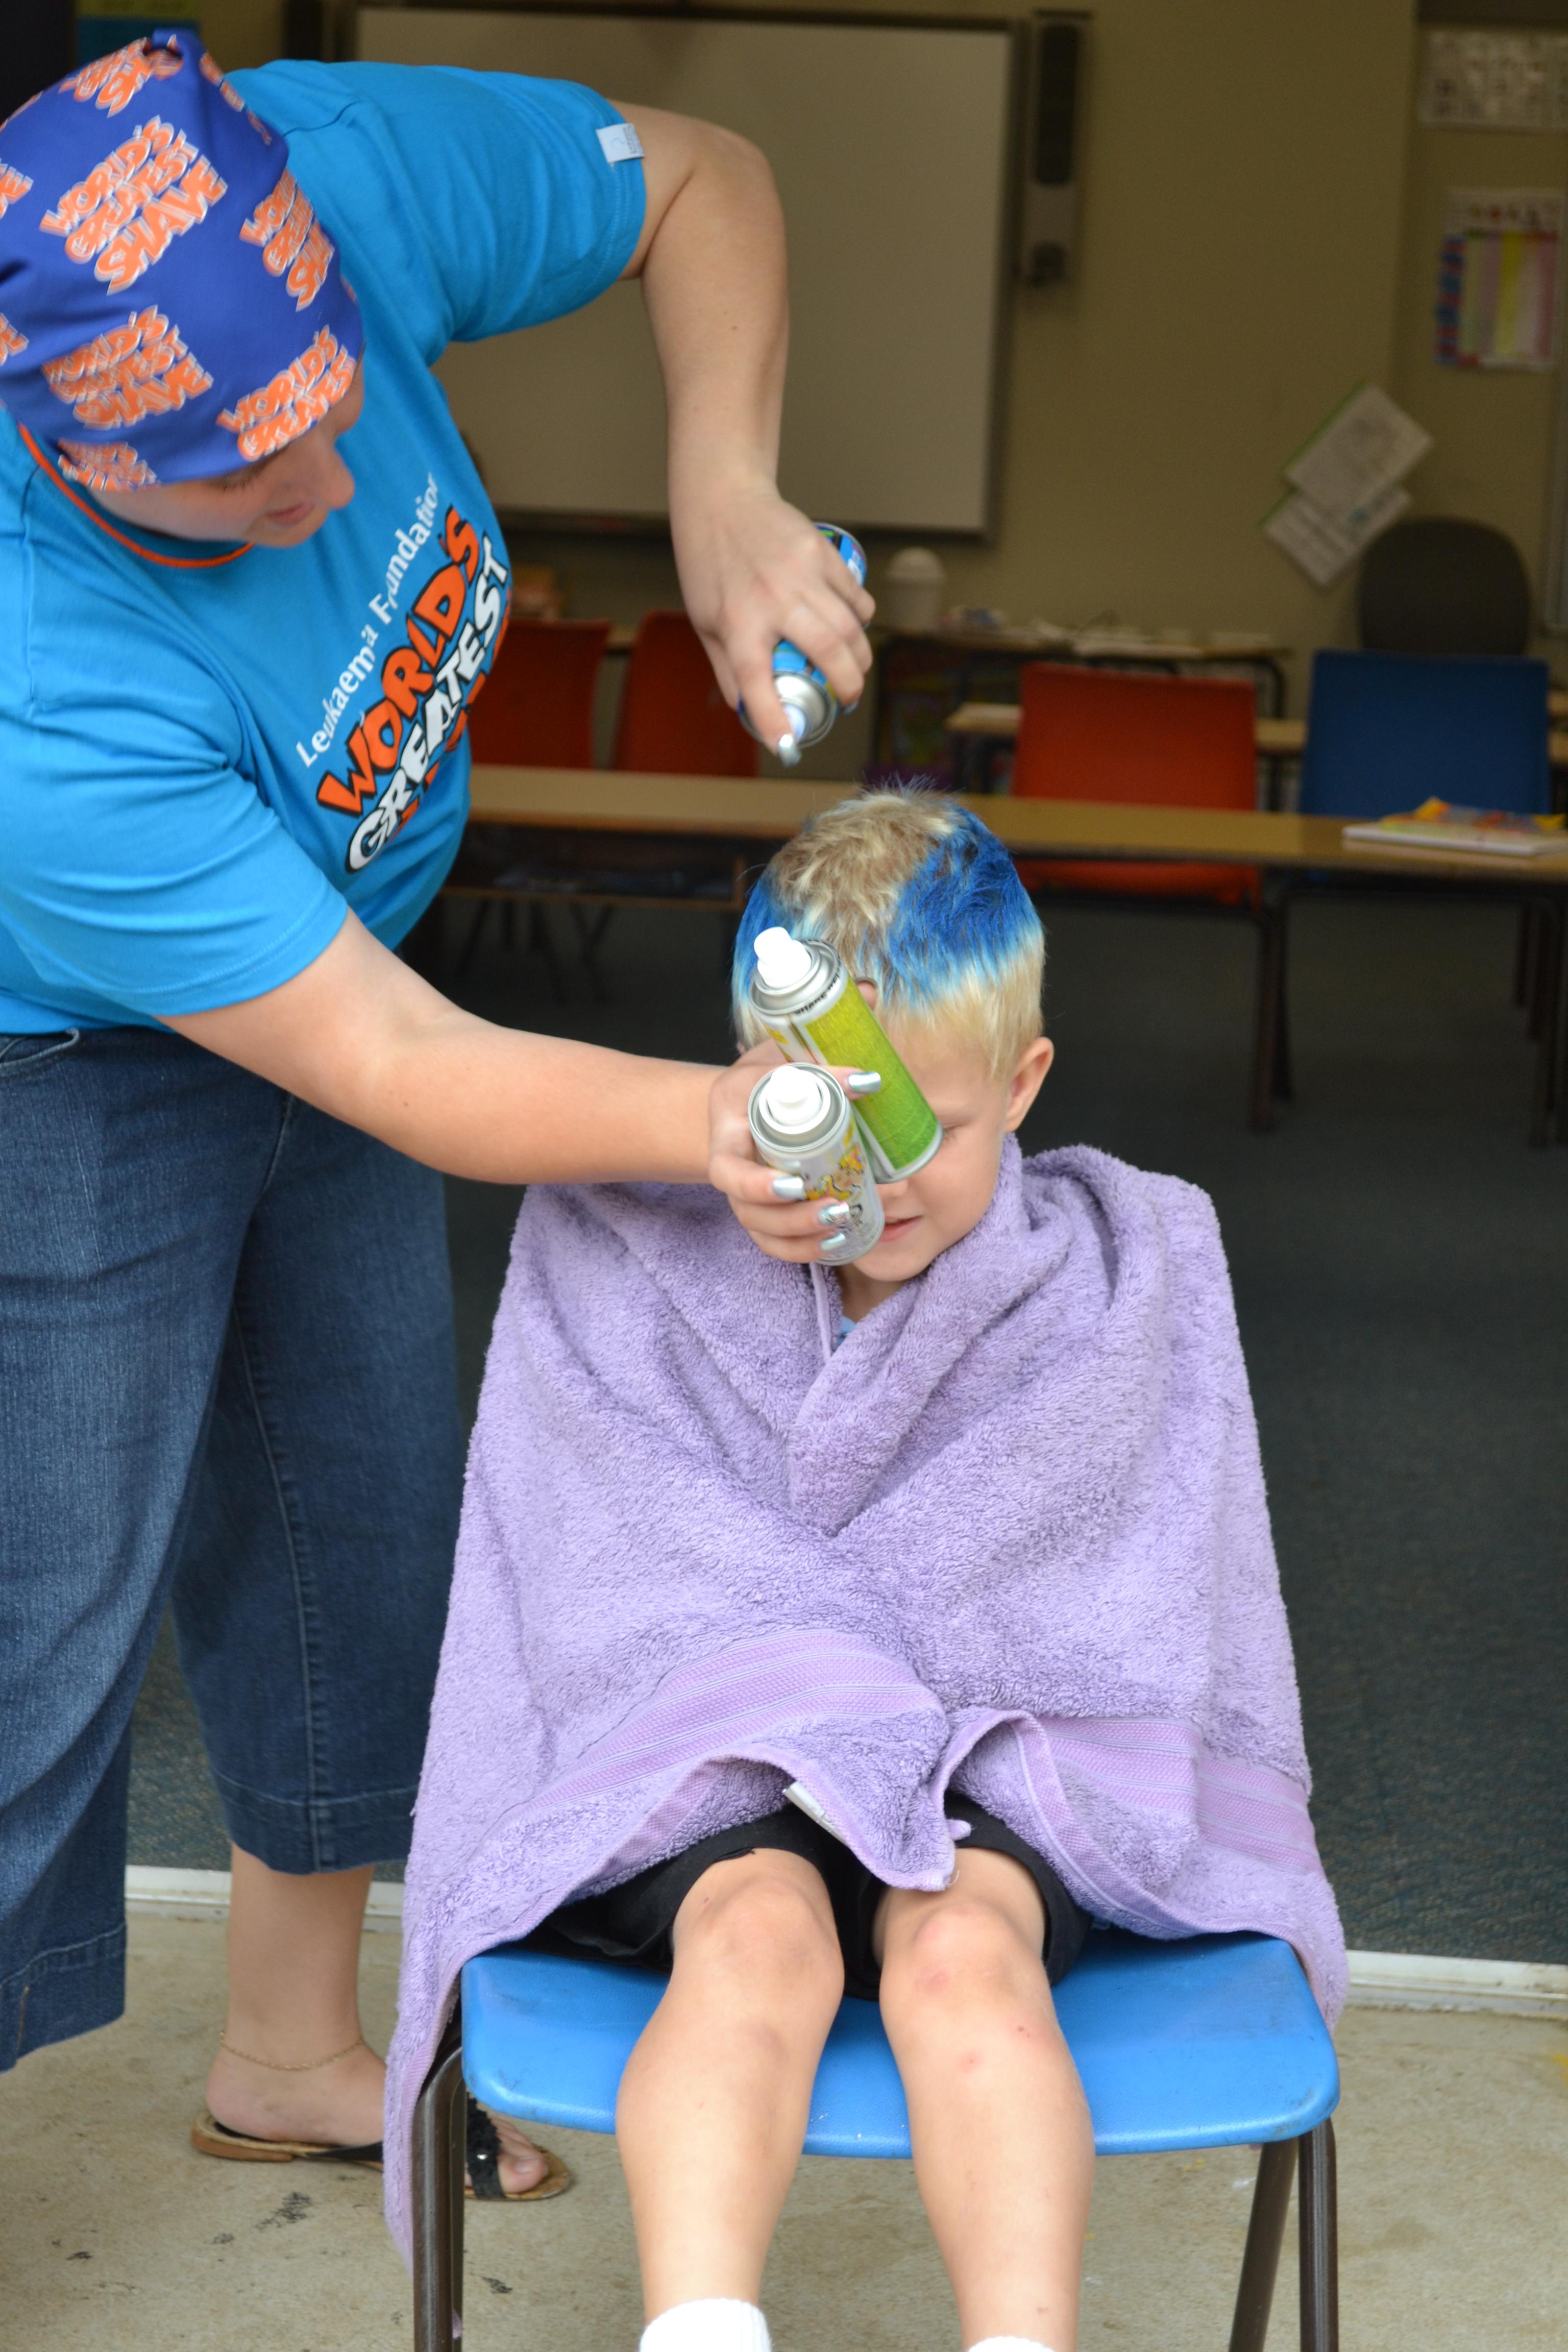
(835, 1214)
(789, 1188)
(789, 750)
(863, 1082)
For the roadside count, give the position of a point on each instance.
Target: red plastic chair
(1172, 742)
(1166, 742)
(674, 721)
(537, 707)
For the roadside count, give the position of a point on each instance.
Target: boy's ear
(1029, 1077)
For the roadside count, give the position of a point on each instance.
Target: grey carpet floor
(1401, 1265)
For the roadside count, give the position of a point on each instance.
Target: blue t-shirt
(203, 755)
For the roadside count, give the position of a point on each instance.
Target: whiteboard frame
(1016, 29)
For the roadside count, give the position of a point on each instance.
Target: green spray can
(804, 997)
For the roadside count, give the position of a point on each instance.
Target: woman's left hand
(753, 570)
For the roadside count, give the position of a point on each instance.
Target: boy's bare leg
(293, 1999)
(714, 2099)
(1004, 2153)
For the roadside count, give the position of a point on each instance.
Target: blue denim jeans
(227, 1375)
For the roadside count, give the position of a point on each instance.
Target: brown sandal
(209, 2137)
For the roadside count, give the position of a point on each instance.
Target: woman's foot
(336, 2105)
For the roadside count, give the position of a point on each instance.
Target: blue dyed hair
(917, 894)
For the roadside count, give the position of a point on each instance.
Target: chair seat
(1202, 2044)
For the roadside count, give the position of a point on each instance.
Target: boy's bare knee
(958, 1955)
(767, 1914)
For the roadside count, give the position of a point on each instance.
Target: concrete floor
(1453, 2161)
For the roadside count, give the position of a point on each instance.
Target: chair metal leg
(1549, 998)
(438, 2146)
(1265, 1021)
(540, 943)
(1265, 2235)
(590, 934)
(466, 953)
(421, 950)
(1284, 1081)
(1320, 2230)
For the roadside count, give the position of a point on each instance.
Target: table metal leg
(1265, 2236)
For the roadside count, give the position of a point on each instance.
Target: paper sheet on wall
(1326, 545)
(1362, 449)
(1347, 483)
(1498, 277)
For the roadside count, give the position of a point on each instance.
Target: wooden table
(730, 809)
(604, 800)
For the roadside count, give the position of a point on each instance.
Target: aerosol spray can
(810, 704)
(804, 997)
(801, 1123)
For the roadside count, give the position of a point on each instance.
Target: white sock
(1009, 2344)
(715, 2324)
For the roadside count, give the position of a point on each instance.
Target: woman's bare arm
(752, 569)
(360, 1035)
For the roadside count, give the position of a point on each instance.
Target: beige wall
(238, 32)
(1244, 190)
(1493, 428)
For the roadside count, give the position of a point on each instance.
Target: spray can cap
(782, 961)
(796, 1098)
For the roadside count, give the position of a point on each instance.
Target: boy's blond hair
(917, 894)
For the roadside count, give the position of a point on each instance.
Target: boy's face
(928, 1212)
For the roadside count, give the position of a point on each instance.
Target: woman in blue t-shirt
(249, 581)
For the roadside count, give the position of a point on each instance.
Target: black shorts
(633, 1922)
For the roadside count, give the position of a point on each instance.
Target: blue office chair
(1209, 2043)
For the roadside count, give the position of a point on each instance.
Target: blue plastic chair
(1209, 2043)
(1385, 732)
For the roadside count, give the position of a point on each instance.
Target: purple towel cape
(1011, 1535)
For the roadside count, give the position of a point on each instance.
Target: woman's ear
(1028, 1076)
(868, 989)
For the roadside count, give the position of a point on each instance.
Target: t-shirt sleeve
(143, 871)
(478, 202)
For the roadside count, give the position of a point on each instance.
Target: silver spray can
(802, 1125)
(810, 704)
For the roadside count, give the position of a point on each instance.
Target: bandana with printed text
(170, 305)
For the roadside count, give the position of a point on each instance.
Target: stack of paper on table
(1441, 826)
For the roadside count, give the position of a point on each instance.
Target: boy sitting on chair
(866, 1631)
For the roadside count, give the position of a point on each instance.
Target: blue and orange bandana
(170, 305)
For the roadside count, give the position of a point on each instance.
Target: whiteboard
(890, 143)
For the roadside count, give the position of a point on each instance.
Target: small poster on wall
(1498, 277)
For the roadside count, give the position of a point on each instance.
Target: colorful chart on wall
(1498, 277)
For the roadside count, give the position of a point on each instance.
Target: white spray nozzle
(796, 1098)
(782, 961)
